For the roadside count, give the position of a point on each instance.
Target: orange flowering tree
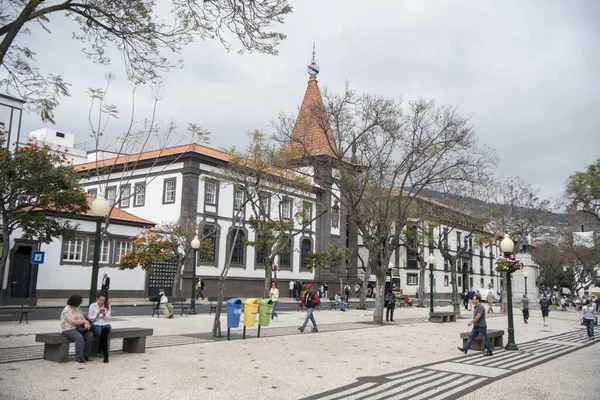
(169, 241)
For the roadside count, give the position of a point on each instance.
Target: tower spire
(313, 68)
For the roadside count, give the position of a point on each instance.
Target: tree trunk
(379, 297)
(362, 303)
(216, 331)
(422, 268)
(4, 259)
(267, 283)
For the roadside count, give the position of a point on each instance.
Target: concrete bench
(178, 303)
(56, 345)
(213, 303)
(442, 316)
(15, 309)
(496, 339)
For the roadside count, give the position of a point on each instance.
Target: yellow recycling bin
(250, 311)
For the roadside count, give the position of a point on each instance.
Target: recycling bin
(234, 309)
(264, 308)
(250, 310)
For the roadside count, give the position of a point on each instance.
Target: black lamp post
(525, 276)
(431, 261)
(195, 246)
(507, 246)
(100, 209)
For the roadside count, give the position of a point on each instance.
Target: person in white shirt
(588, 315)
(291, 287)
(163, 303)
(274, 295)
(99, 314)
(338, 299)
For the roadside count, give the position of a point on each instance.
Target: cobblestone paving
(456, 377)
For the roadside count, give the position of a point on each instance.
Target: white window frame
(289, 208)
(111, 195)
(139, 197)
(121, 247)
(75, 247)
(125, 196)
(210, 193)
(237, 200)
(409, 279)
(104, 251)
(169, 194)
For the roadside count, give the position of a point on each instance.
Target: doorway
(21, 273)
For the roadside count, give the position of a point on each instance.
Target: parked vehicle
(484, 293)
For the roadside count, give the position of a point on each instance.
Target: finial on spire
(313, 68)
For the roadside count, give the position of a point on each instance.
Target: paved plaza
(347, 359)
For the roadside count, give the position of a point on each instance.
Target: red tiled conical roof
(312, 133)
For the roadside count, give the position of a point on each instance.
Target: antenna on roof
(313, 68)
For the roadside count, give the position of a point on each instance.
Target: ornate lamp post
(525, 276)
(431, 260)
(507, 246)
(100, 209)
(195, 246)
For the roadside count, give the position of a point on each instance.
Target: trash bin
(234, 309)
(250, 310)
(264, 307)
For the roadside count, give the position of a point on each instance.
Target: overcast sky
(527, 71)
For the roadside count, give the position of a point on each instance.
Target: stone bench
(56, 345)
(178, 303)
(496, 339)
(442, 316)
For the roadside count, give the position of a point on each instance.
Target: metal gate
(163, 277)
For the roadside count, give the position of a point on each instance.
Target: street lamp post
(507, 246)
(100, 209)
(525, 276)
(195, 246)
(431, 261)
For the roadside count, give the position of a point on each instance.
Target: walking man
(545, 307)
(105, 283)
(310, 300)
(479, 327)
(490, 300)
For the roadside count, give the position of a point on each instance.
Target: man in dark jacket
(479, 327)
(310, 300)
(105, 283)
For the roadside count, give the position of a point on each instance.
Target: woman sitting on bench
(99, 314)
(74, 326)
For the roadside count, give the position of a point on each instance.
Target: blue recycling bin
(234, 310)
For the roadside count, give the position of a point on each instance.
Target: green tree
(136, 29)
(583, 190)
(39, 188)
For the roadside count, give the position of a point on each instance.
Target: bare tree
(272, 193)
(381, 157)
(135, 28)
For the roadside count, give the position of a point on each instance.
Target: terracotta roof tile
(308, 135)
(118, 214)
(148, 155)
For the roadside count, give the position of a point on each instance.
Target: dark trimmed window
(139, 197)
(305, 248)
(412, 279)
(238, 247)
(261, 254)
(209, 235)
(169, 190)
(285, 259)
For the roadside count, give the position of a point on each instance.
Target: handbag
(81, 329)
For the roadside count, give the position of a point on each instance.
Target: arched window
(285, 259)
(305, 248)
(238, 247)
(209, 234)
(261, 254)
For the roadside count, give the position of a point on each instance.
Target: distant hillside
(547, 232)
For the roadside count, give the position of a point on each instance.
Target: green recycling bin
(264, 308)
(250, 311)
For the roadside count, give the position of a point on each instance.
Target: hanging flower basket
(508, 264)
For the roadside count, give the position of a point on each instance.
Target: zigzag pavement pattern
(451, 379)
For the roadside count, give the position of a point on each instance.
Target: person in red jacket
(310, 300)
